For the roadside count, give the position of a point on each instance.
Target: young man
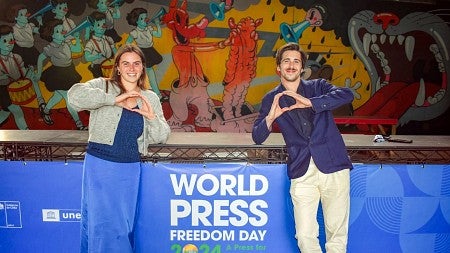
(318, 163)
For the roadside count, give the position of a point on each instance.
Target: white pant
(333, 190)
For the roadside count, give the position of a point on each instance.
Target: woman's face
(130, 67)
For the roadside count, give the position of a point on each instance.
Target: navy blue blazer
(325, 144)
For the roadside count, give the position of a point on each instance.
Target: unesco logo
(61, 215)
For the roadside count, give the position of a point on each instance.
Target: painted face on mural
(99, 27)
(314, 16)
(142, 20)
(58, 34)
(102, 5)
(290, 66)
(6, 43)
(22, 17)
(61, 10)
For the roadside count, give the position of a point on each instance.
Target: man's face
(290, 66)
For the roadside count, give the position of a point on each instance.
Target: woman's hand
(147, 109)
(127, 100)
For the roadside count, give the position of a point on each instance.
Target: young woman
(125, 116)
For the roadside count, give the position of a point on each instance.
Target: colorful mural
(212, 61)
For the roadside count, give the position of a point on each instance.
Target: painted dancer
(61, 74)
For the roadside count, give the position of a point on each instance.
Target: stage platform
(57, 145)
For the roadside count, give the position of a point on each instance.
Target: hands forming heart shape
(276, 110)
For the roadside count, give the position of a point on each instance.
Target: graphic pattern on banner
(215, 208)
(400, 208)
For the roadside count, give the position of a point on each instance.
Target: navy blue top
(303, 116)
(125, 147)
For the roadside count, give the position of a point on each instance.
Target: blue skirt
(110, 194)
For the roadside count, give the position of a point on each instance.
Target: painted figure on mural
(60, 11)
(111, 8)
(12, 74)
(405, 54)
(315, 17)
(143, 35)
(235, 115)
(318, 163)
(191, 86)
(61, 74)
(24, 32)
(240, 66)
(100, 48)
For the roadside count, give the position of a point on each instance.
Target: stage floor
(210, 146)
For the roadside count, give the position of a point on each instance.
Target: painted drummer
(24, 31)
(99, 48)
(11, 69)
(61, 74)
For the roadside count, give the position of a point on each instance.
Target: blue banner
(222, 207)
(227, 207)
(40, 206)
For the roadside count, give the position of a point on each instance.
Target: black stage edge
(200, 147)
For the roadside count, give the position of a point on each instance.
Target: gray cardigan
(105, 115)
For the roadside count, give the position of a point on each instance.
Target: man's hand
(300, 101)
(275, 110)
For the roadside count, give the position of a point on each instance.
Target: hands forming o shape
(128, 101)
